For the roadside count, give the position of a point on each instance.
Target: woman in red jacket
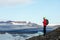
(44, 24)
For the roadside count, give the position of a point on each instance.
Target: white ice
(8, 36)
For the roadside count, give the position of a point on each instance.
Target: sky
(30, 10)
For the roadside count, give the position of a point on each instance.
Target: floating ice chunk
(19, 38)
(6, 36)
(40, 33)
(36, 34)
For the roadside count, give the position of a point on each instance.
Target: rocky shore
(53, 35)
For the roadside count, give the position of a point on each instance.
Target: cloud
(14, 2)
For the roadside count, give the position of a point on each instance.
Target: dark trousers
(44, 30)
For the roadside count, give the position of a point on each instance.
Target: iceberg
(35, 34)
(19, 38)
(6, 36)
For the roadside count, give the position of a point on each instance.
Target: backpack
(47, 22)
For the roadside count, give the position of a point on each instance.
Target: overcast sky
(30, 10)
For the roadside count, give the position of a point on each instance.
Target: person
(45, 23)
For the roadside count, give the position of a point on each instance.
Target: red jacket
(44, 22)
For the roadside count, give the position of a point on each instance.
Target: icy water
(25, 36)
(8, 36)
